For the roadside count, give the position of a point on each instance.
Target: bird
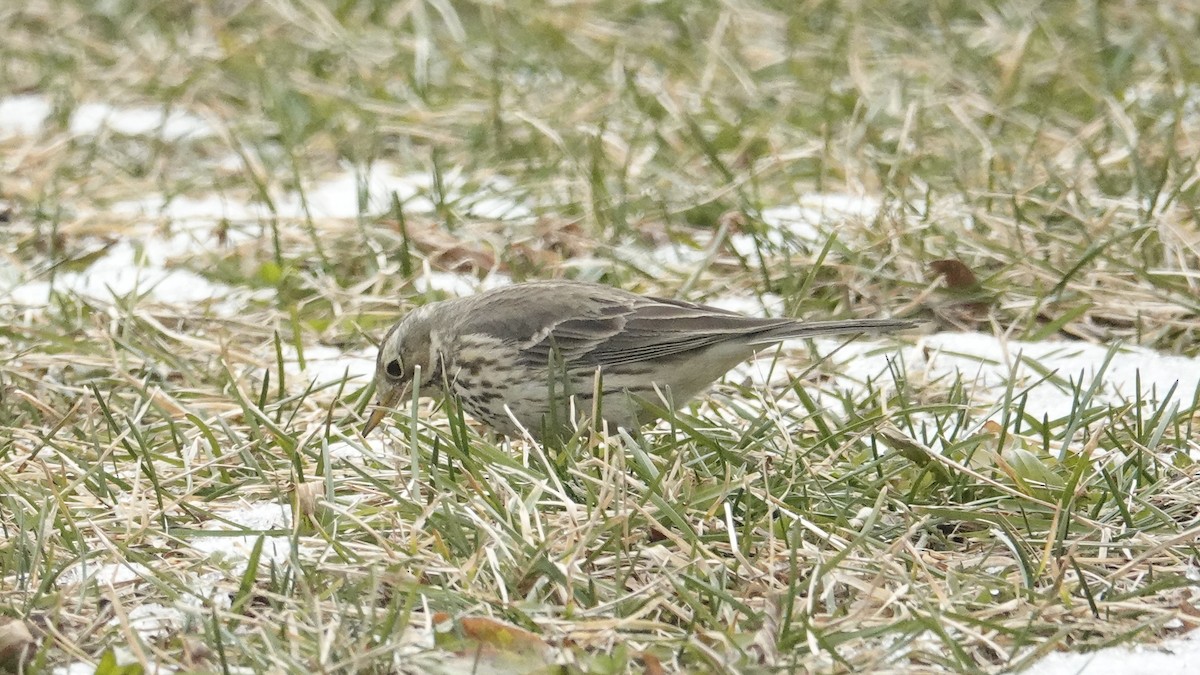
(529, 359)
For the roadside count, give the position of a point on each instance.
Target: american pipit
(533, 356)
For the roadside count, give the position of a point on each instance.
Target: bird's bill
(373, 421)
(384, 406)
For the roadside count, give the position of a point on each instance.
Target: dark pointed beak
(386, 402)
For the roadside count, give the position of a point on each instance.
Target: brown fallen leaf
(652, 664)
(17, 644)
(968, 300)
(958, 276)
(484, 636)
(447, 251)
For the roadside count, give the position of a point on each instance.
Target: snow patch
(23, 115)
(109, 574)
(173, 125)
(327, 364)
(458, 285)
(1179, 656)
(987, 364)
(260, 516)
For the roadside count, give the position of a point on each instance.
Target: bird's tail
(810, 329)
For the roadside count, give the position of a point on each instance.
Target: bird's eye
(393, 369)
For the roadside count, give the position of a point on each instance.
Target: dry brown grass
(882, 527)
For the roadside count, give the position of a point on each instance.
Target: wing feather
(590, 325)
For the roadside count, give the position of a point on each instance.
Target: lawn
(211, 212)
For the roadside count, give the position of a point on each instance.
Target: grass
(908, 523)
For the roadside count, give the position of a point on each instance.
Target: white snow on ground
(341, 196)
(458, 285)
(123, 270)
(152, 620)
(26, 115)
(236, 548)
(1180, 656)
(347, 195)
(769, 304)
(226, 542)
(195, 213)
(171, 125)
(987, 363)
(149, 619)
(108, 574)
(809, 218)
(148, 258)
(23, 115)
(810, 222)
(84, 668)
(326, 364)
(671, 257)
(1041, 372)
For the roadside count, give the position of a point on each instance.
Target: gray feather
(590, 325)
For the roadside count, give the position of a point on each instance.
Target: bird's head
(405, 354)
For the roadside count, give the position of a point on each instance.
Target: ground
(211, 212)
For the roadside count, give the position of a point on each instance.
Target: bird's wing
(590, 326)
(659, 328)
